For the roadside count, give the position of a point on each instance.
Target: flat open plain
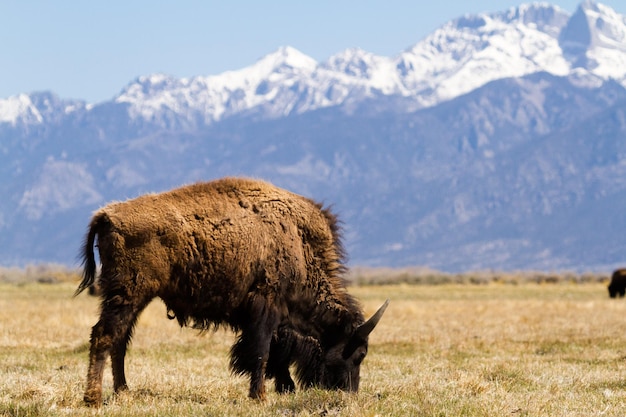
(440, 350)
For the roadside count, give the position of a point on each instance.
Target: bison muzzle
(235, 252)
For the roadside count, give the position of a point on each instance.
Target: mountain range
(496, 142)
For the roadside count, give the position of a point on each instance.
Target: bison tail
(88, 257)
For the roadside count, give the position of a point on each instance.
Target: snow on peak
(458, 57)
(359, 67)
(595, 39)
(147, 86)
(19, 108)
(285, 62)
(594, 25)
(353, 61)
(545, 17)
(288, 57)
(213, 97)
(470, 51)
(36, 108)
(155, 82)
(608, 28)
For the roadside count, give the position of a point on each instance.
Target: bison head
(342, 362)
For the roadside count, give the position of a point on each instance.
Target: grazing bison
(618, 283)
(234, 252)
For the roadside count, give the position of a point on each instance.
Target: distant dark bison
(234, 252)
(617, 286)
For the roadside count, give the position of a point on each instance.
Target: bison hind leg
(97, 358)
(110, 337)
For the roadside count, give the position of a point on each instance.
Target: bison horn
(366, 328)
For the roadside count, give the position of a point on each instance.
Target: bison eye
(359, 357)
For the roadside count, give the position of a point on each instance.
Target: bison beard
(242, 253)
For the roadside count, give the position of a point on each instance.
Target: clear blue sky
(90, 50)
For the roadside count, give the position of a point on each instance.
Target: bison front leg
(251, 352)
(284, 384)
(261, 338)
(280, 359)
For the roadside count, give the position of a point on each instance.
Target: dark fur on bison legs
(281, 351)
(284, 384)
(251, 353)
(110, 335)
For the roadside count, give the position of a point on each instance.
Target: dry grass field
(498, 349)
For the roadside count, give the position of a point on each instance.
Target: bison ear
(366, 328)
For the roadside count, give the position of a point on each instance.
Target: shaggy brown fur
(235, 252)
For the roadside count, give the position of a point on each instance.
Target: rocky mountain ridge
(495, 142)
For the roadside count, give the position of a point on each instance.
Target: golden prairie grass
(42, 273)
(54, 273)
(440, 350)
(427, 276)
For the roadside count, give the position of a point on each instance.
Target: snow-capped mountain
(456, 59)
(595, 39)
(473, 50)
(495, 142)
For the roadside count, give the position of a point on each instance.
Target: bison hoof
(121, 388)
(259, 396)
(93, 400)
(285, 387)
